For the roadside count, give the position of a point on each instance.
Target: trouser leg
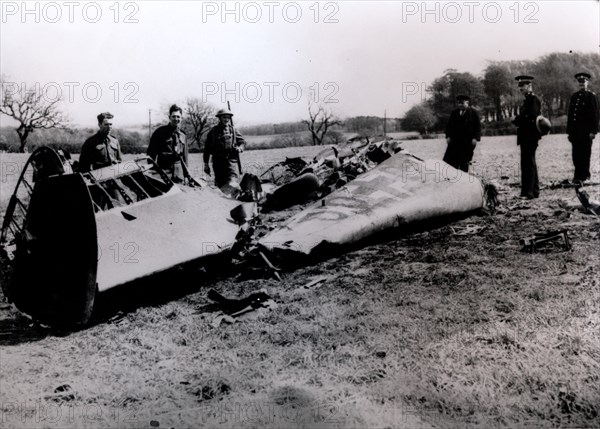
(224, 170)
(529, 176)
(582, 152)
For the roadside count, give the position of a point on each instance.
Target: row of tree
(495, 93)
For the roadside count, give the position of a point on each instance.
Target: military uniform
(168, 147)
(582, 123)
(221, 144)
(461, 129)
(528, 137)
(99, 151)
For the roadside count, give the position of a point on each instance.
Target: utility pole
(384, 125)
(149, 124)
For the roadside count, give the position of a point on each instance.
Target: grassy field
(427, 329)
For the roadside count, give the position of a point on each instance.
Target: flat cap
(463, 98)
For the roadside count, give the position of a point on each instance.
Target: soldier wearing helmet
(582, 127)
(224, 144)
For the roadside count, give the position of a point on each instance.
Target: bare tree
(199, 117)
(33, 110)
(319, 122)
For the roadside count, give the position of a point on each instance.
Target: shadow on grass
(160, 288)
(291, 260)
(116, 303)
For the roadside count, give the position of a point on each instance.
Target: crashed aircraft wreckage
(68, 236)
(400, 191)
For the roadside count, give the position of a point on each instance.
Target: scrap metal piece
(72, 235)
(534, 242)
(584, 198)
(400, 191)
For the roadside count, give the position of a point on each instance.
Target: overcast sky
(265, 57)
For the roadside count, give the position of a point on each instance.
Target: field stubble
(428, 328)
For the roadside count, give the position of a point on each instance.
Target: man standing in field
(582, 127)
(225, 144)
(168, 146)
(528, 137)
(102, 149)
(463, 131)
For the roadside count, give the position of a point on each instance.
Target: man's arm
(535, 108)
(570, 129)
(85, 162)
(207, 151)
(239, 140)
(119, 153)
(595, 113)
(476, 125)
(153, 146)
(185, 147)
(207, 147)
(449, 125)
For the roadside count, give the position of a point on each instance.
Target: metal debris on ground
(591, 206)
(570, 184)
(317, 282)
(545, 240)
(469, 229)
(232, 310)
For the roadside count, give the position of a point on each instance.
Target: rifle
(237, 154)
(186, 172)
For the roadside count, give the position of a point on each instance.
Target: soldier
(528, 137)
(582, 127)
(102, 149)
(463, 131)
(168, 146)
(225, 144)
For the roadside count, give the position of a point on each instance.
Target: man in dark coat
(168, 146)
(102, 149)
(225, 144)
(463, 131)
(582, 127)
(528, 137)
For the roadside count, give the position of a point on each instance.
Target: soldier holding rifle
(224, 143)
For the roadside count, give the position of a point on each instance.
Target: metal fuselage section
(80, 234)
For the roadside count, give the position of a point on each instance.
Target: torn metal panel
(67, 236)
(400, 191)
(161, 233)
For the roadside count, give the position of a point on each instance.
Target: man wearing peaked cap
(524, 79)
(582, 126)
(224, 143)
(528, 136)
(463, 131)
